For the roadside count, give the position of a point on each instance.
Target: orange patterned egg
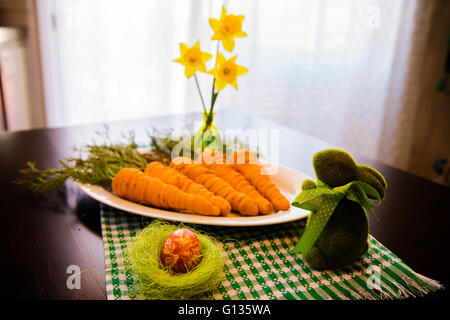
(181, 251)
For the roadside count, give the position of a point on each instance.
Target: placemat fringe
(413, 285)
(420, 284)
(383, 294)
(366, 295)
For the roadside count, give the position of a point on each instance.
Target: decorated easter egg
(181, 251)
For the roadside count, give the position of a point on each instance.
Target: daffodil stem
(213, 94)
(200, 93)
(214, 97)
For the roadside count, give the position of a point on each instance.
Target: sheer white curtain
(113, 58)
(324, 67)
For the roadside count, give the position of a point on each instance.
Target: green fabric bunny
(345, 236)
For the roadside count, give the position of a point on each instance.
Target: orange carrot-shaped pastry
(171, 176)
(238, 200)
(134, 185)
(216, 163)
(244, 162)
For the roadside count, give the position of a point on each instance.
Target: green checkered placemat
(259, 265)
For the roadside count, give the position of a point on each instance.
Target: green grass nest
(156, 282)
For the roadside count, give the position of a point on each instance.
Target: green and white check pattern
(259, 265)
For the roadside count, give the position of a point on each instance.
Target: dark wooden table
(41, 235)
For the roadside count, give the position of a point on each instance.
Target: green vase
(208, 136)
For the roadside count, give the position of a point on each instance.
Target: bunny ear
(335, 167)
(373, 177)
(375, 173)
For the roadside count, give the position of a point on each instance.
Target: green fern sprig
(99, 165)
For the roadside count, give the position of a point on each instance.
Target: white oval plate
(289, 182)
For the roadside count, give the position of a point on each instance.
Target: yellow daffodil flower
(227, 28)
(193, 59)
(226, 72)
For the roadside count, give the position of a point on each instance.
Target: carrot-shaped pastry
(216, 162)
(244, 162)
(171, 176)
(238, 200)
(134, 185)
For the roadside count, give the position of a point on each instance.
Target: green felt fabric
(338, 230)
